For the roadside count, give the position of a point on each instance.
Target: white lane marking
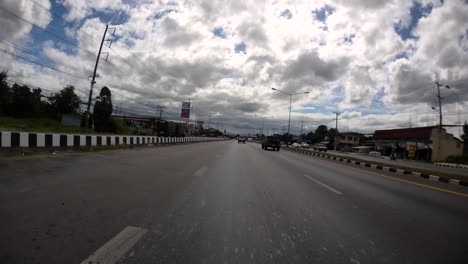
(323, 184)
(113, 250)
(200, 171)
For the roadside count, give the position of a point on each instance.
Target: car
(249, 139)
(295, 145)
(320, 147)
(271, 142)
(241, 139)
(305, 145)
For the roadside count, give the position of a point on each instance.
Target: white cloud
(14, 28)
(352, 60)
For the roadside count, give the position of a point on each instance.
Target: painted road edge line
(406, 181)
(323, 184)
(115, 248)
(200, 172)
(400, 171)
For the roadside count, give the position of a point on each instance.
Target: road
(406, 163)
(223, 202)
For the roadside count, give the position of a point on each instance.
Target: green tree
(5, 99)
(103, 110)
(66, 101)
(321, 132)
(24, 102)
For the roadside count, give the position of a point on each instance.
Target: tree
(103, 110)
(24, 102)
(5, 99)
(321, 132)
(66, 101)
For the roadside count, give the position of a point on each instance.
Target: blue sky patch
(287, 14)
(417, 11)
(219, 32)
(163, 13)
(322, 13)
(240, 47)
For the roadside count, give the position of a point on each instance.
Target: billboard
(185, 110)
(185, 113)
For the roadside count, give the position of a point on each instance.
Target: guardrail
(441, 177)
(38, 140)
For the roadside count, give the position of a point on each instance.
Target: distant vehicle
(241, 139)
(270, 142)
(305, 145)
(320, 147)
(249, 139)
(375, 154)
(295, 145)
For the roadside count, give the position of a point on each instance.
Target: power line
(69, 43)
(45, 30)
(43, 65)
(37, 55)
(54, 14)
(125, 60)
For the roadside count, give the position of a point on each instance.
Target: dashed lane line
(323, 184)
(115, 248)
(201, 171)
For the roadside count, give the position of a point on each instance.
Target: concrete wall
(32, 140)
(444, 145)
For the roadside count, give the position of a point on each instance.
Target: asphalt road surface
(223, 202)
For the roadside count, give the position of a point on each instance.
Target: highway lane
(223, 202)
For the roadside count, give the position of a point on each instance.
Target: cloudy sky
(374, 61)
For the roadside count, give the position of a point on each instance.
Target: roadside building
(350, 139)
(420, 143)
(142, 125)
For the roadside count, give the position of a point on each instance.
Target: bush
(117, 126)
(462, 159)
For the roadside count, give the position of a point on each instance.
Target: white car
(305, 145)
(296, 145)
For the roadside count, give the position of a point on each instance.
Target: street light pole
(290, 107)
(440, 103)
(289, 122)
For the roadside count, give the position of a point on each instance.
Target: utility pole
(336, 127)
(440, 103)
(302, 127)
(93, 80)
(160, 110)
(209, 120)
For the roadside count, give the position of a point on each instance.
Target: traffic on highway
(241, 131)
(236, 203)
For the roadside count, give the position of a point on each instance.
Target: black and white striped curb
(32, 140)
(378, 167)
(451, 165)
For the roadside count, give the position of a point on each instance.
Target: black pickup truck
(270, 142)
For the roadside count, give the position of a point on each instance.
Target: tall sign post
(185, 113)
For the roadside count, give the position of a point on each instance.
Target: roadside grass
(49, 125)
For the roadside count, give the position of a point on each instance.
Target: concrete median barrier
(403, 170)
(22, 140)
